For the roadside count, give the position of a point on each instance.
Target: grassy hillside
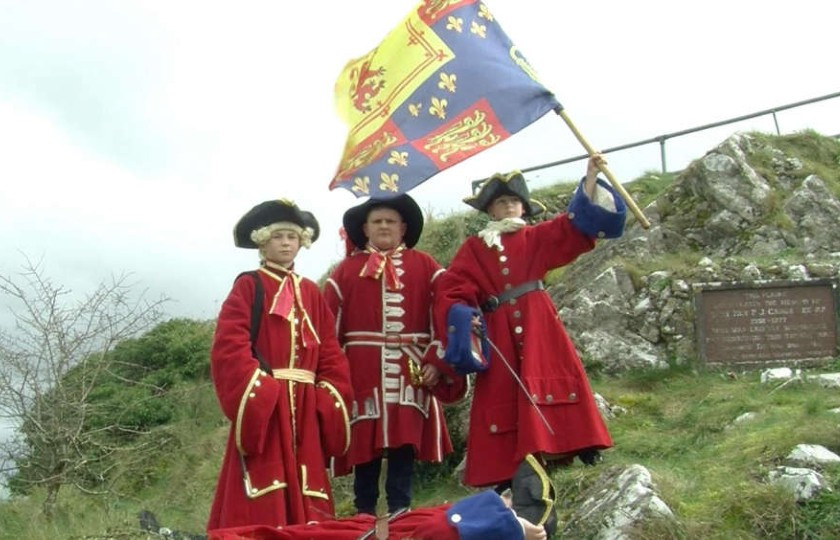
(679, 424)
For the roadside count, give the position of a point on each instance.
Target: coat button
(493, 428)
(503, 258)
(549, 398)
(508, 286)
(572, 396)
(512, 301)
(252, 395)
(276, 483)
(451, 329)
(571, 215)
(601, 234)
(517, 314)
(257, 383)
(505, 271)
(456, 518)
(518, 329)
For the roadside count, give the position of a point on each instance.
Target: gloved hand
(467, 348)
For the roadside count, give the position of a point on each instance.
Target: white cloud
(170, 119)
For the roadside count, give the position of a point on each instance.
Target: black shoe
(590, 457)
(148, 522)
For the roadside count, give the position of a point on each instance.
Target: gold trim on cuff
(246, 395)
(252, 492)
(304, 487)
(343, 406)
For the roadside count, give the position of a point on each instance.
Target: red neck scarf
(286, 299)
(380, 263)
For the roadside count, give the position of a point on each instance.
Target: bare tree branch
(56, 356)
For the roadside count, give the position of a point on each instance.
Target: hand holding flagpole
(628, 199)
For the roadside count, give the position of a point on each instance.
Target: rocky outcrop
(801, 475)
(620, 500)
(746, 211)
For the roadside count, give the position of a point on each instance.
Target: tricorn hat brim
(310, 221)
(355, 218)
(497, 185)
(269, 212)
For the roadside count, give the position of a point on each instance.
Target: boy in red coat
(381, 296)
(532, 399)
(285, 390)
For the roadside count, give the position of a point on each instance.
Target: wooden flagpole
(628, 200)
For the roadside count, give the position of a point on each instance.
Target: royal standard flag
(444, 85)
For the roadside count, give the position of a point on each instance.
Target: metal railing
(662, 139)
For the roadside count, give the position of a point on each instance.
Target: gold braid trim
(304, 486)
(294, 374)
(339, 402)
(545, 495)
(246, 395)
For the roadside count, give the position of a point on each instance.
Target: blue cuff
(596, 221)
(465, 351)
(484, 516)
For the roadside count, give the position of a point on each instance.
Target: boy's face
(282, 247)
(384, 228)
(505, 206)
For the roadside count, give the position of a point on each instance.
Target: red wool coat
(283, 427)
(504, 426)
(352, 528)
(382, 331)
(480, 516)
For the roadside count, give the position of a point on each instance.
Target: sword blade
(520, 383)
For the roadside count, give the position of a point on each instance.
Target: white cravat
(492, 233)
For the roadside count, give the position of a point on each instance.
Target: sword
(516, 378)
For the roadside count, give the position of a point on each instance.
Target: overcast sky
(135, 133)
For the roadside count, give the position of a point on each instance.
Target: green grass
(679, 425)
(818, 155)
(712, 473)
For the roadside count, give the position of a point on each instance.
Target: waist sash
(294, 374)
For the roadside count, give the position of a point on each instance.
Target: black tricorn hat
(268, 212)
(411, 214)
(312, 223)
(512, 183)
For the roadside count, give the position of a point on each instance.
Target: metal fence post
(662, 154)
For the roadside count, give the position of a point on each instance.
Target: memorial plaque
(767, 323)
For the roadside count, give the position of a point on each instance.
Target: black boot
(399, 479)
(366, 486)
